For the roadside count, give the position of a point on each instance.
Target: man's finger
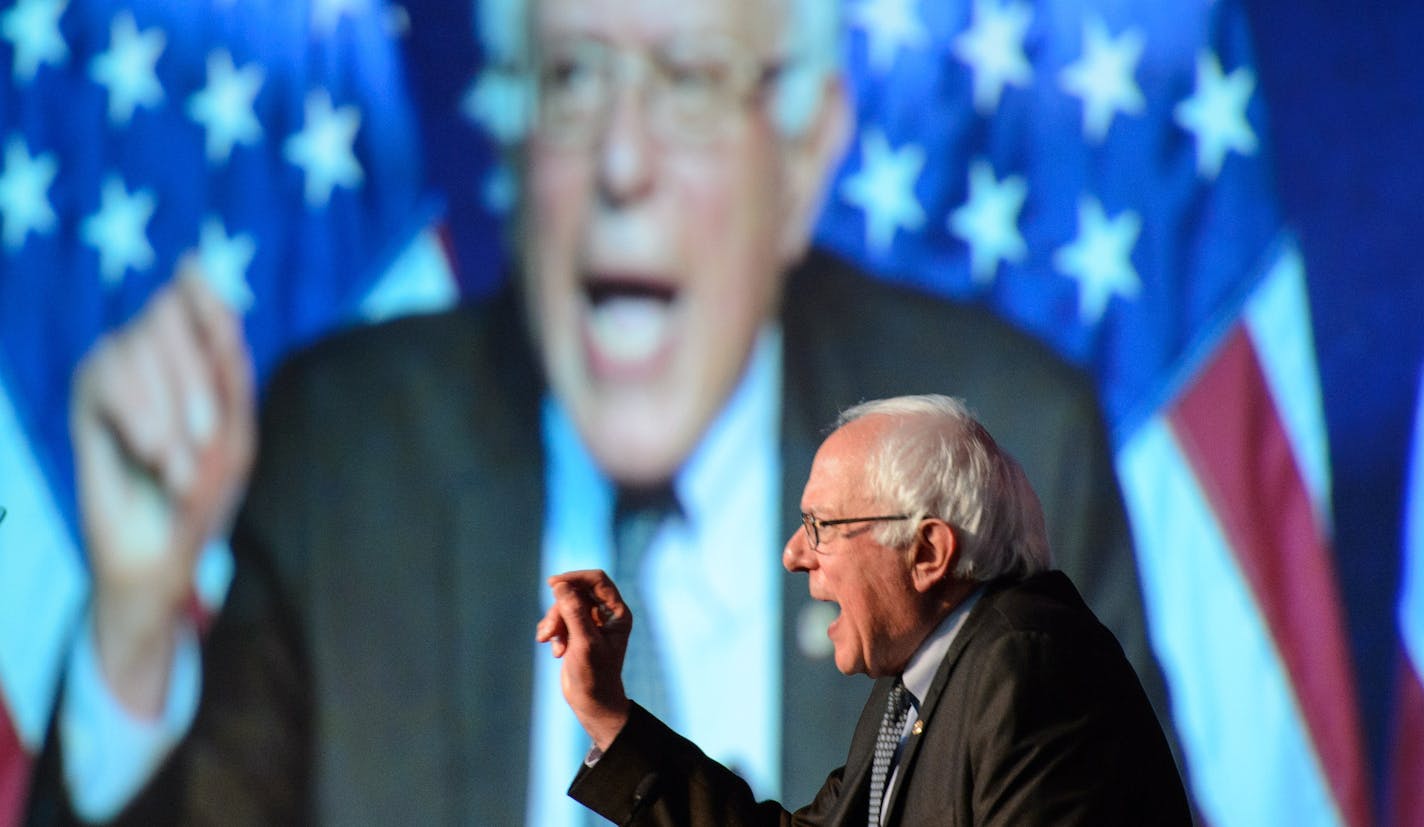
(548, 626)
(189, 388)
(607, 609)
(551, 630)
(605, 594)
(228, 409)
(218, 323)
(574, 609)
(130, 397)
(219, 331)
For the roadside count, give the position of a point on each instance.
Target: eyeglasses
(691, 89)
(813, 525)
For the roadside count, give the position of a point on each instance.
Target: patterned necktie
(897, 710)
(637, 518)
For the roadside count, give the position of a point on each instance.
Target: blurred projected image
(377, 376)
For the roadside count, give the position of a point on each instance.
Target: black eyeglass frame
(813, 524)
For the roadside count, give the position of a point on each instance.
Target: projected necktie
(636, 520)
(897, 709)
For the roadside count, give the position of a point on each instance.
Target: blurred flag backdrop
(1096, 171)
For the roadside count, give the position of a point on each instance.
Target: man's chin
(848, 665)
(638, 463)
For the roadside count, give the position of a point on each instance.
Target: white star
(225, 261)
(32, 27)
(884, 188)
(1216, 114)
(1103, 77)
(993, 49)
(1100, 258)
(24, 205)
(127, 68)
(327, 13)
(323, 149)
(224, 106)
(891, 25)
(119, 230)
(501, 102)
(988, 221)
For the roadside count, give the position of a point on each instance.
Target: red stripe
(15, 766)
(1406, 801)
(1231, 434)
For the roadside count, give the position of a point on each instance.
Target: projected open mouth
(629, 325)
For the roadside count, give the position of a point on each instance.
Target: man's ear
(811, 159)
(935, 549)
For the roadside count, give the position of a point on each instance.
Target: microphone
(642, 796)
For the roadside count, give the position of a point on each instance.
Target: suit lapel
(931, 702)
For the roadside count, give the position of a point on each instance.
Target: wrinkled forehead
(758, 23)
(839, 470)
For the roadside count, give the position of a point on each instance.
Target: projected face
(661, 208)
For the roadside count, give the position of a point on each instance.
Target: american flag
(1095, 171)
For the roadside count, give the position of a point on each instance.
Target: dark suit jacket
(1034, 717)
(373, 663)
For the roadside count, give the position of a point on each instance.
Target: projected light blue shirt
(717, 599)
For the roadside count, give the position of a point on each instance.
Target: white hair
(938, 461)
(503, 99)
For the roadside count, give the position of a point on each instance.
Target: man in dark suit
(416, 480)
(1000, 699)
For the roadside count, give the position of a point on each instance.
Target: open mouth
(830, 612)
(629, 322)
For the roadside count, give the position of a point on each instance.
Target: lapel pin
(919, 727)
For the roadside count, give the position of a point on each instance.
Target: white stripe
(419, 281)
(1250, 759)
(1411, 598)
(1278, 322)
(42, 584)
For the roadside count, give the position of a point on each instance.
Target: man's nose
(625, 149)
(797, 554)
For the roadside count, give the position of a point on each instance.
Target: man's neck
(919, 670)
(947, 599)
